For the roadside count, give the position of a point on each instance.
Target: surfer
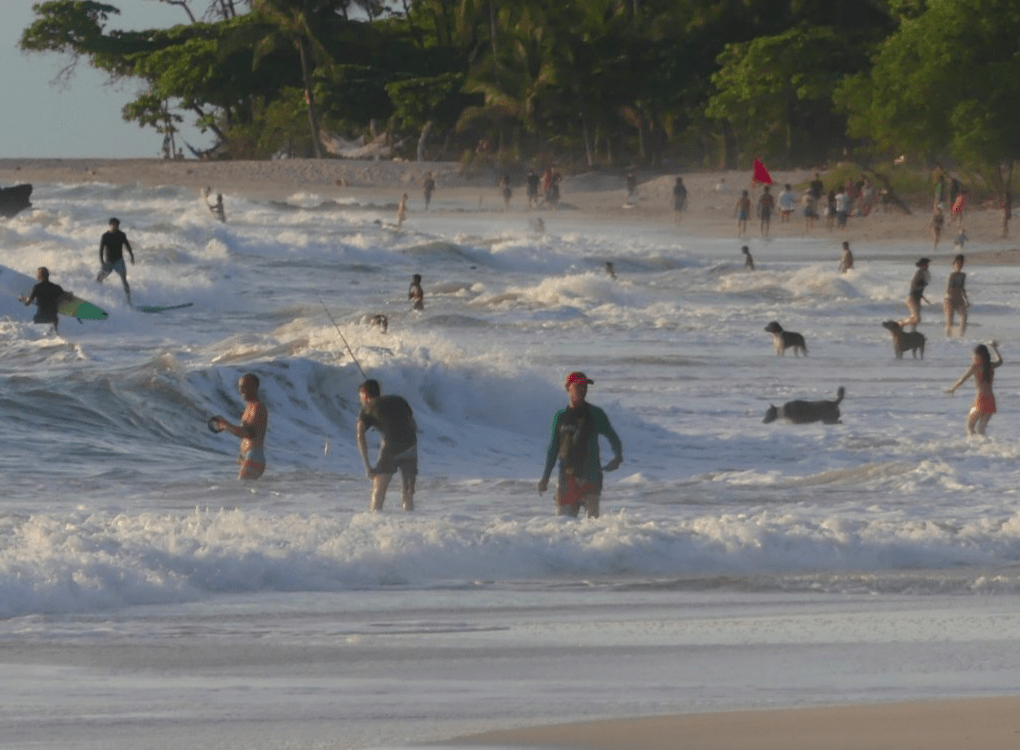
(251, 460)
(47, 296)
(394, 419)
(111, 255)
(575, 440)
(416, 293)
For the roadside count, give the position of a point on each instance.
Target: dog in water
(903, 341)
(786, 340)
(380, 321)
(804, 412)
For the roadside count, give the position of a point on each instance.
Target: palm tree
(295, 22)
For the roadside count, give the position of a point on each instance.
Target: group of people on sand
(47, 295)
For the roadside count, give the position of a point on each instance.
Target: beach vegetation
(594, 83)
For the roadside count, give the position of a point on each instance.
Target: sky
(82, 119)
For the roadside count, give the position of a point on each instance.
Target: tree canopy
(596, 82)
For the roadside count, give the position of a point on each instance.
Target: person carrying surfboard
(251, 460)
(393, 417)
(575, 441)
(111, 255)
(47, 296)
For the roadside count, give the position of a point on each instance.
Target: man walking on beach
(111, 255)
(47, 296)
(575, 441)
(394, 419)
(251, 460)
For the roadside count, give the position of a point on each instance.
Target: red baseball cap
(578, 377)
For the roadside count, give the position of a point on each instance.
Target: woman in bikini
(956, 297)
(917, 284)
(983, 370)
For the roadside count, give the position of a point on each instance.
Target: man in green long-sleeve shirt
(575, 441)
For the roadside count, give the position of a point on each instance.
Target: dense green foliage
(599, 82)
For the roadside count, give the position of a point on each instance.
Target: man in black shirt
(47, 296)
(393, 417)
(111, 255)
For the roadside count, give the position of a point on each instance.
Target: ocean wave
(91, 562)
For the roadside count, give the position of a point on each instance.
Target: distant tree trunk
(589, 154)
(421, 140)
(310, 99)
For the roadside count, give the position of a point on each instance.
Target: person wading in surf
(393, 417)
(47, 296)
(251, 461)
(575, 441)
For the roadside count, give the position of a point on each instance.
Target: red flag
(760, 173)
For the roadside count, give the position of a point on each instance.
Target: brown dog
(786, 340)
(904, 340)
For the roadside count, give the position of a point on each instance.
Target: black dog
(786, 340)
(803, 412)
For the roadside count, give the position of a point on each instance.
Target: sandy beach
(600, 195)
(991, 723)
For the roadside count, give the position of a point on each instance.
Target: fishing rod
(341, 333)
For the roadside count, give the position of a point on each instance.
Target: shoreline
(986, 723)
(599, 196)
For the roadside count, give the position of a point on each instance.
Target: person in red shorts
(983, 370)
(575, 442)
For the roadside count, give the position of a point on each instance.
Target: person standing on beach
(47, 296)
(921, 279)
(846, 258)
(956, 300)
(842, 207)
(817, 188)
(830, 210)
(787, 200)
(429, 187)
(810, 211)
(398, 451)
(251, 460)
(766, 205)
(416, 294)
(531, 188)
(679, 199)
(111, 255)
(743, 212)
(983, 370)
(574, 440)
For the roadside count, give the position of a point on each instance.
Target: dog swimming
(805, 412)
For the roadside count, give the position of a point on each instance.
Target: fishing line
(335, 325)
